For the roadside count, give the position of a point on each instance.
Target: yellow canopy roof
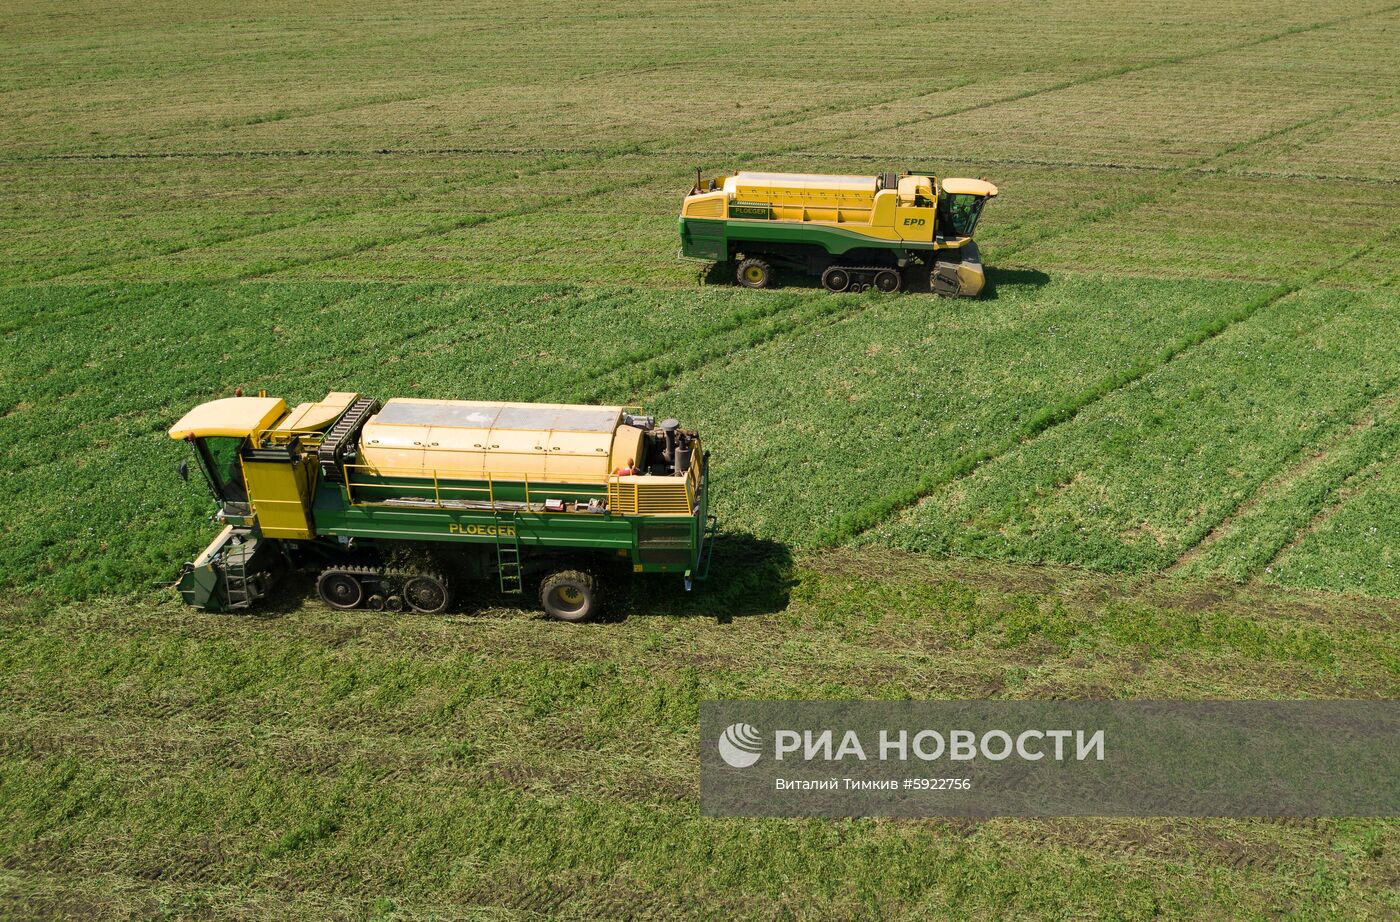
(235, 416)
(310, 416)
(956, 186)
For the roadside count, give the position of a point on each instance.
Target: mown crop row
(1288, 507)
(1140, 477)
(325, 756)
(817, 435)
(1356, 548)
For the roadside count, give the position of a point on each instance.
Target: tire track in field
(879, 511)
(1110, 73)
(594, 156)
(1307, 459)
(1337, 498)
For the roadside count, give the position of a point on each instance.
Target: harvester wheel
(339, 589)
(754, 273)
(427, 593)
(569, 595)
(887, 280)
(836, 279)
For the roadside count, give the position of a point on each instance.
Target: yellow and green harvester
(398, 504)
(855, 232)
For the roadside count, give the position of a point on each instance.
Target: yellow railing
(310, 438)
(637, 496)
(421, 480)
(654, 496)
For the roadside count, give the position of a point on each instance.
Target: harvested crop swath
(1286, 507)
(813, 432)
(1134, 481)
(1354, 548)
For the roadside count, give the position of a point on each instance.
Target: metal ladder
(508, 568)
(236, 582)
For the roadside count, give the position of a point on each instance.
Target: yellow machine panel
(311, 417)
(281, 496)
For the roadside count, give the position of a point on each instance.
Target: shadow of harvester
(748, 576)
(917, 279)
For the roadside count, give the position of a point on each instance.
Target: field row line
(671, 371)
(397, 198)
(311, 111)
(596, 156)
(1367, 470)
(640, 148)
(1025, 94)
(601, 157)
(1178, 181)
(430, 152)
(106, 893)
(354, 51)
(1112, 166)
(876, 512)
(296, 153)
(1364, 440)
(799, 115)
(633, 149)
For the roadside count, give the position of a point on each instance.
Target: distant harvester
(855, 232)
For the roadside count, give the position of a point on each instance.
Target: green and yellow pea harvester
(855, 232)
(396, 505)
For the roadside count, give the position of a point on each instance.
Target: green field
(1157, 460)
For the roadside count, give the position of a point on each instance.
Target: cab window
(220, 454)
(963, 210)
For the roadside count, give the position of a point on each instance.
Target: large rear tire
(570, 595)
(339, 589)
(427, 593)
(836, 279)
(754, 273)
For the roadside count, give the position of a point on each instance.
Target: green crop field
(1159, 459)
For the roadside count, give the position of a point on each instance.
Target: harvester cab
(219, 432)
(960, 205)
